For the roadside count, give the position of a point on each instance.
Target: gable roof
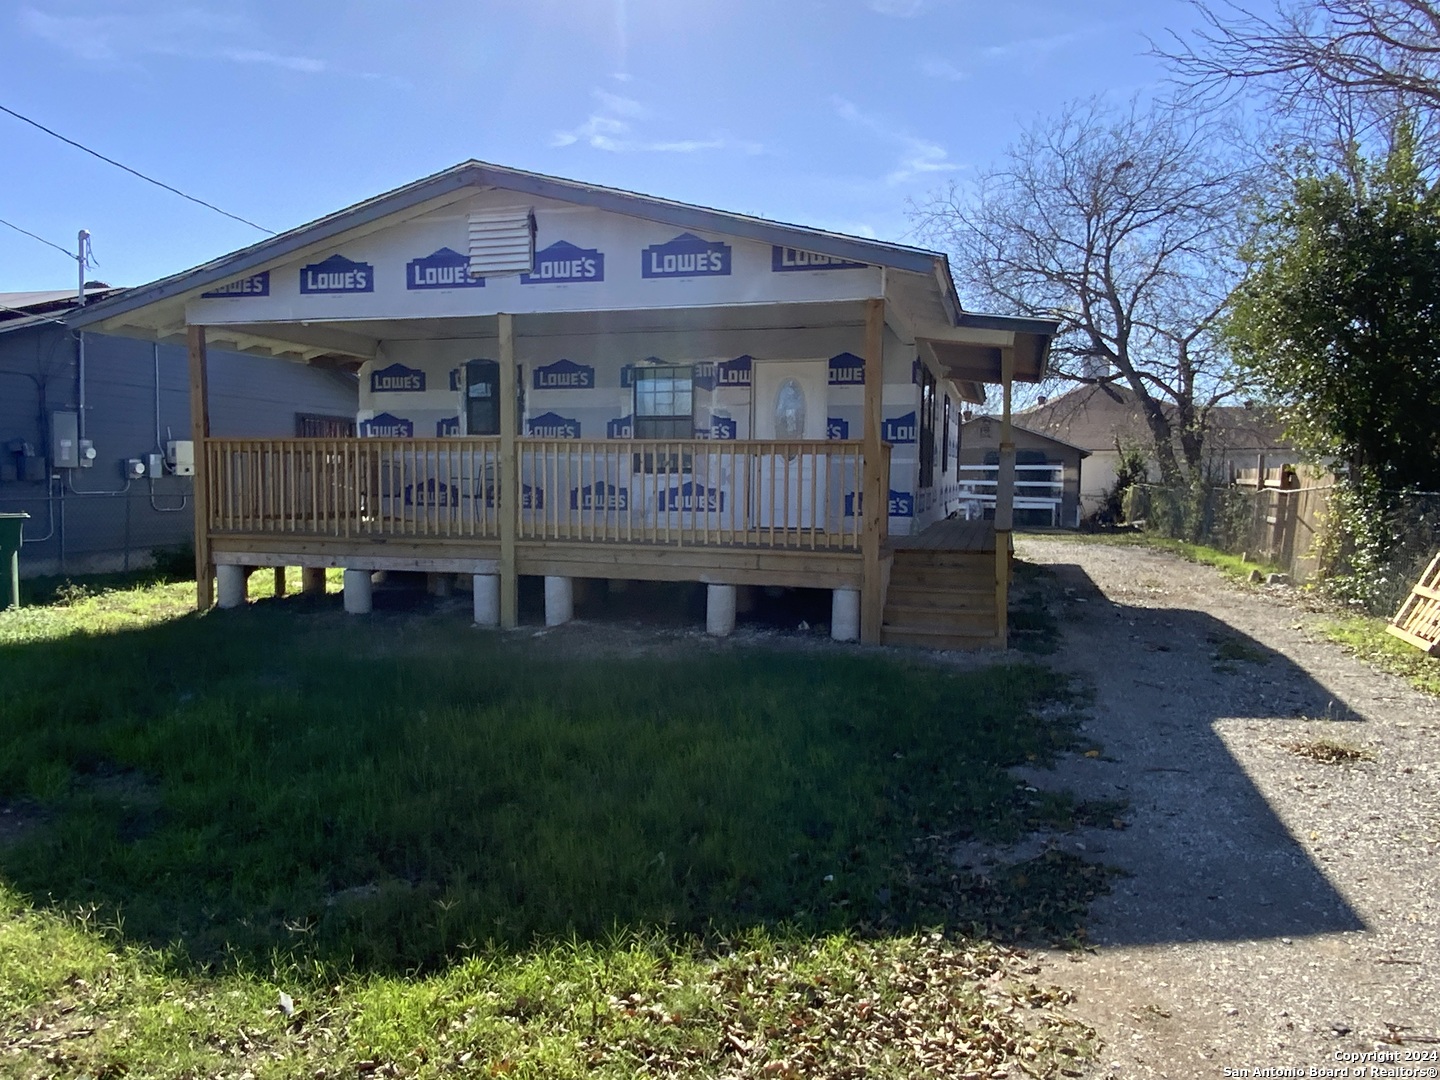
(1045, 435)
(483, 175)
(1094, 417)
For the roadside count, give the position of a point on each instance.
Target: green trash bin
(10, 541)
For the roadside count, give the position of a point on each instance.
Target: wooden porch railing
(798, 495)
(354, 487)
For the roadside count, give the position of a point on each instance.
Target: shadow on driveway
(1210, 860)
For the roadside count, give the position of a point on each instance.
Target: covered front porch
(769, 398)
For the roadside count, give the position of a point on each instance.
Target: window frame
(653, 425)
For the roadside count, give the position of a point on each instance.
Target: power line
(32, 236)
(134, 172)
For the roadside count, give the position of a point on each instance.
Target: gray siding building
(99, 517)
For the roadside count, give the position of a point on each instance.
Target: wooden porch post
(507, 500)
(1004, 500)
(199, 433)
(874, 499)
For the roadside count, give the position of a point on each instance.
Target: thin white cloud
(612, 128)
(918, 157)
(186, 32)
(900, 9)
(936, 67)
(1034, 49)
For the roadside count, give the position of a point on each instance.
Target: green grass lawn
(1365, 636)
(461, 850)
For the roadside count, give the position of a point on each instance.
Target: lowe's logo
(686, 256)
(397, 379)
(783, 259)
(443, 269)
(622, 427)
(837, 427)
(847, 369)
(254, 285)
(563, 262)
(386, 426)
(447, 427)
(721, 427)
(600, 496)
(691, 498)
(553, 426)
(432, 492)
(899, 429)
(531, 498)
(337, 274)
(565, 375)
(902, 504)
(735, 373)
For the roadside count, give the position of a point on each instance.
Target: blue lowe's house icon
(899, 429)
(721, 427)
(837, 427)
(600, 496)
(442, 269)
(386, 426)
(686, 256)
(432, 492)
(692, 497)
(337, 274)
(622, 427)
(563, 262)
(450, 425)
(902, 503)
(784, 259)
(847, 369)
(552, 425)
(254, 285)
(565, 375)
(397, 379)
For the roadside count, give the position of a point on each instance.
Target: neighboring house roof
(28, 308)
(1095, 417)
(1047, 437)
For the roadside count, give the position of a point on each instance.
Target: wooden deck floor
(952, 534)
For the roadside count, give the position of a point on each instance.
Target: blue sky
(821, 112)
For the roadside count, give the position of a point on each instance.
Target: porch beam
(874, 501)
(508, 497)
(199, 432)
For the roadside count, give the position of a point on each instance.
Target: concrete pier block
(845, 614)
(358, 599)
(720, 610)
(230, 584)
(559, 601)
(487, 599)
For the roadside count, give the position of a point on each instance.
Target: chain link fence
(74, 532)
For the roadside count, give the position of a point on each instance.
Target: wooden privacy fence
(1286, 516)
(800, 495)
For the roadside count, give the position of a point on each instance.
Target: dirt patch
(1280, 907)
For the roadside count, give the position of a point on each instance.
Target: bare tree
(1314, 48)
(1335, 76)
(1121, 223)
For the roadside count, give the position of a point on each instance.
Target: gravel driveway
(1280, 910)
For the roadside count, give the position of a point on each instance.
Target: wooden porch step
(929, 638)
(942, 576)
(944, 559)
(968, 598)
(956, 620)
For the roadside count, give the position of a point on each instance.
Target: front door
(790, 401)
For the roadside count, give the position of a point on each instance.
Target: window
(927, 429)
(945, 438)
(316, 426)
(664, 403)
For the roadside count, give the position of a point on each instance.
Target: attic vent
(502, 242)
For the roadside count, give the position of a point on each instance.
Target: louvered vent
(502, 242)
